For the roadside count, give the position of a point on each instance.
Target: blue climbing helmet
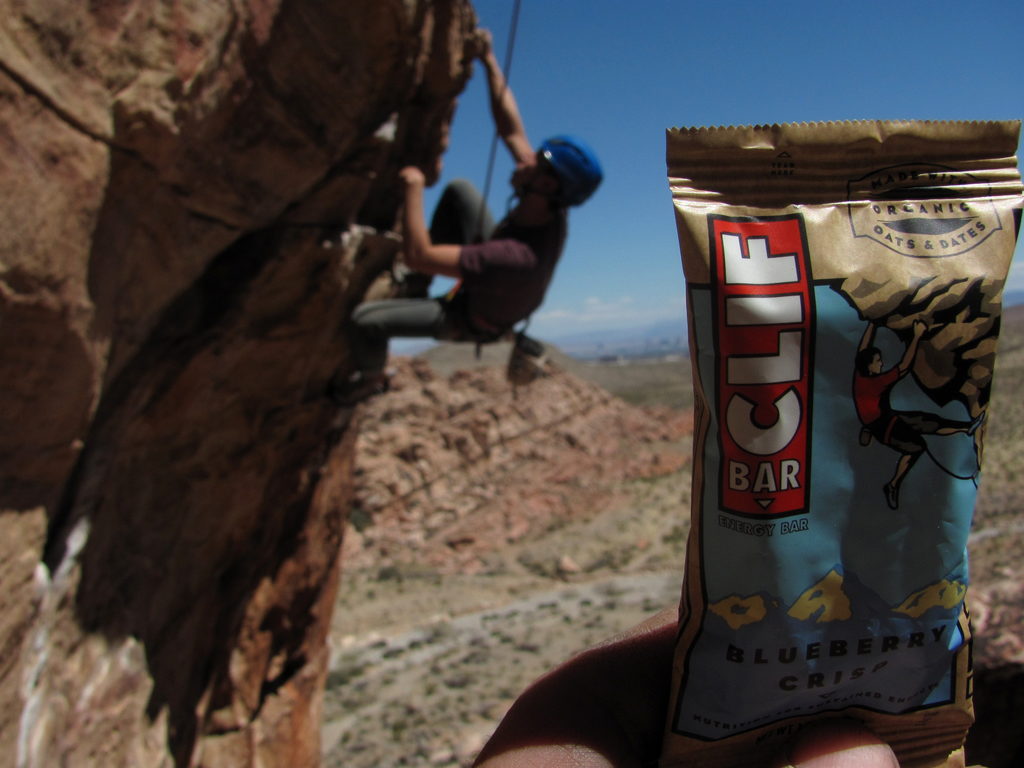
(576, 166)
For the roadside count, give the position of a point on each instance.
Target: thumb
(839, 744)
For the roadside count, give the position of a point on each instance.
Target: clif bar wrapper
(844, 283)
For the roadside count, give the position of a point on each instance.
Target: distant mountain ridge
(667, 337)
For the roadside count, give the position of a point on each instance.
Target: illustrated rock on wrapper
(844, 283)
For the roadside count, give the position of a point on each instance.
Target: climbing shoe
(527, 361)
(892, 495)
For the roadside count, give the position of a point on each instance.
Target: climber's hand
(479, 44)
(412, 176)
(606, 707)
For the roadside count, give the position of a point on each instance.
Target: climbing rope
(513, 25)
(935, 460)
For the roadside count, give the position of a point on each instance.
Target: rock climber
(503, 270)
(902, 431)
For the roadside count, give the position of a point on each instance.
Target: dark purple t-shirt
(506, 277)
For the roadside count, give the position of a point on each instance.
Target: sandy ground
(425, 665)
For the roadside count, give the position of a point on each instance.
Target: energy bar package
(844, 283)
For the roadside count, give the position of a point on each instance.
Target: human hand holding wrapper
(826, 574)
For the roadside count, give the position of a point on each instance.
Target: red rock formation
(173, 293)
(450, 469)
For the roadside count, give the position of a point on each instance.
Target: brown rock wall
(186, 192)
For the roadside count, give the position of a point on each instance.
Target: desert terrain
(426, 658)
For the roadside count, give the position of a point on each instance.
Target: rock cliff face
(190, 198)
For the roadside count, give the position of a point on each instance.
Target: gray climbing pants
(459, 218)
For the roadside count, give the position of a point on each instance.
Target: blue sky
(619, 74)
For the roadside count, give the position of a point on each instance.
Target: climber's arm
(907, 361)
(507, 120)
(421, 254)
(868, 338)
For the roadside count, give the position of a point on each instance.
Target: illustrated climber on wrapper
(903, 431)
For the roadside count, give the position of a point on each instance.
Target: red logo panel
(764, 321)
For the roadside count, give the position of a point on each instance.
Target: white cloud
(596, 313)
(598, 304)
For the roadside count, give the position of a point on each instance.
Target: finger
(840, 744)
(549, 756)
